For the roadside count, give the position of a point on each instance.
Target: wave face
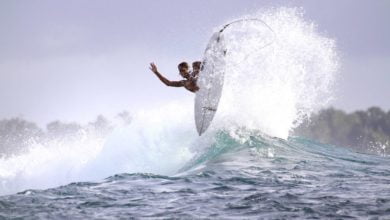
(243, 166)
(254, 177)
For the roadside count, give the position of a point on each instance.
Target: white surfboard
(211, 77)
(210, 82)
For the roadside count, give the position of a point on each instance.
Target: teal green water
(259, 178)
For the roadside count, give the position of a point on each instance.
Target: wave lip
(274, 88)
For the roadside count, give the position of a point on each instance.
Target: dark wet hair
(183, 65)
(196, 65)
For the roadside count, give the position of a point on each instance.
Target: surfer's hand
(153, 68)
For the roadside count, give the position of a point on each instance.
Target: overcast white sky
(72, 60)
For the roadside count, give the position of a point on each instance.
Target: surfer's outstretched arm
(167, 82)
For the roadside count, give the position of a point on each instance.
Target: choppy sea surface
(261, 178)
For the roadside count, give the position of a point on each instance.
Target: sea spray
(157, 141)
(49, 163)
(272, 87)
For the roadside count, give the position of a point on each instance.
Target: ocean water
(261, 178)
(247, 165)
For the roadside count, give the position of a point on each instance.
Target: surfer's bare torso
(189, 81)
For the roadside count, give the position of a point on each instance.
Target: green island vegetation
(364, 131)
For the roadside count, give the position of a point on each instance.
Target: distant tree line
(365, 131)
(16, 134)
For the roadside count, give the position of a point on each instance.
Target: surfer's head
(196, 66)
(184, 69)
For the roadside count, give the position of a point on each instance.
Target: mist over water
(268, 89)
(47, 164)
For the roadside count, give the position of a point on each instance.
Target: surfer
(190, 78)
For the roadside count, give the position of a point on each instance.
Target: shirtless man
(189, 81)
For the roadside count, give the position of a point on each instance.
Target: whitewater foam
(275, 87)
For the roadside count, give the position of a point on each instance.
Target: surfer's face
(184, 72)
